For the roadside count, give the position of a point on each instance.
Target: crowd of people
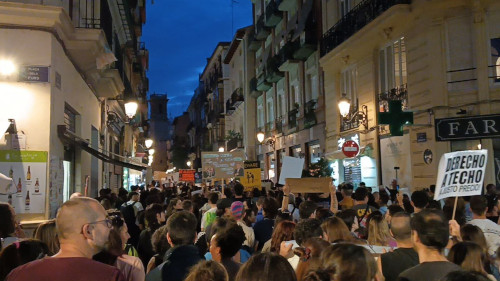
(185, 232)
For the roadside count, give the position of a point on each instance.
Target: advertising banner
(251, 178)
(461, 173)
(28, 169)
(222, 165)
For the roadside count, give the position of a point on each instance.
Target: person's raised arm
(284, 203)
(334, 204)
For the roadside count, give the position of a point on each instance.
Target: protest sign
(251, 178)
(309, 185)
(291, 168)
(222, 164)
(186, 175)
(461, 173)
(198, 177)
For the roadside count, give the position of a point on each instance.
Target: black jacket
(176, 265)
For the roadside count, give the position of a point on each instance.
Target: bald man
(392, 264)
(83, 229)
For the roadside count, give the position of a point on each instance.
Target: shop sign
(463, 128)
(32, 73)
(350, 149)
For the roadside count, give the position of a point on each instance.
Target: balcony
(261, 31)
(236, 99)
(279, 125)
(269, 128)
(286, 5)
(310, 113)
(273, 74)
(399, 94)
(254, 93)
(262, 84)
(306, 31)
(253, 43)
(273, 15)
(352, 120)
(355, 20)
(234, 144)
(285, 57)
(292, 120)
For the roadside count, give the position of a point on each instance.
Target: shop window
(314, 152)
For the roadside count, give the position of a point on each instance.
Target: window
(70, 118)
(392, 61)
(270, 108)
(348, 84)
(260, 111)
(495, 59)
(344, 7)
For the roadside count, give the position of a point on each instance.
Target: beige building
(73, 66)
(439, 58)
(288, 82)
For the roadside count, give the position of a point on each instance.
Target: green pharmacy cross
(395, 118)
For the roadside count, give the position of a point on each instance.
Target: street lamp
(148, 143)
(221, 149)
(344, 106)
(7, 67)
(131, 108)
(189, 164)
(260, 137)
(151, 151)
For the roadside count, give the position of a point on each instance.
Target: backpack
(128, 213)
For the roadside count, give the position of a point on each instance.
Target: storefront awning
(70, 138)
(339, 155)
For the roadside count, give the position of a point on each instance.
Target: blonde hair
(46, 232)
(207, 271)
(336, 230)
(378, 230)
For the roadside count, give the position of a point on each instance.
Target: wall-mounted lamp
(7, 67)
(151, 151)
(148, 143)
(188, 163)
(271, 141)
(221, 149)
(345, 110)
(131, 108)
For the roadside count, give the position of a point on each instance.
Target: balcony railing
(273, 15)
(269, 128)
(361, 15)
(352, 120)
(399, 93)
(234, 143)
(279, 125)
(273, 74)
(292, 119)
(310, 113)
(261, 31)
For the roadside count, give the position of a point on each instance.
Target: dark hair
(478, 204)
(8, 225)
(459, 212)
(401, 231)
(114, 246)
(270, 208)
(348, 216)
(238, 189)
(432, 228)
(217, 224)
(150, 216)
(420, 199)
(383, 198)
(348, 262)
(20, 253)
(159, 241)
(462, 275)
(470, 232)
(213, 197)
(306, 229)
(230, 239)
(266, 267)
(187, 205)
(131, 194)
(393, 209)
(360, 194)
(247, 214)
(182, 228)
(468, 255)
(322, 214)
(306, 209)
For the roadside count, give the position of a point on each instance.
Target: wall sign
(32, 73)
(421, 137)
(463, 128)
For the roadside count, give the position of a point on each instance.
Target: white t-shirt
(491, 232)
(249, 235)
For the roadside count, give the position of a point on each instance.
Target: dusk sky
(180, 35)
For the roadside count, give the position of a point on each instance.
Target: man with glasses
(83, 228)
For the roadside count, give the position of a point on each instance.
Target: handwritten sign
(251, 179)
(186, 175)
(309, 185)
(461, 173)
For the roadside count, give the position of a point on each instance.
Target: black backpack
(128, 213)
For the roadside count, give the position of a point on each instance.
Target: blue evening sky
(180, 35)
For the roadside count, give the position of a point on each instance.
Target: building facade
(439, 59)
(74, 67)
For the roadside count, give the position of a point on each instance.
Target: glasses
(107, 221)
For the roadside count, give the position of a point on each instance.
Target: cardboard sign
(186, 175)
(251, 178)
(292, 168)
(309, 185)
(222, 164)
(461, 173)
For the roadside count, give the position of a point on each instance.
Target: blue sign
(34, 74)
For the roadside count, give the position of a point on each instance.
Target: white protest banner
(461, 173)
(292, 168)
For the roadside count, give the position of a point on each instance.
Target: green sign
(395, 118)
(23, 156)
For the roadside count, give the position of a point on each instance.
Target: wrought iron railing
(361, 15)
(399, 93)
(292, 119)
(279, 125)
(352, 120)
(310, 114)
